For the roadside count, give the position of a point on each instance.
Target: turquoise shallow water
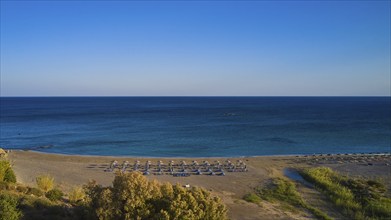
(196, 126)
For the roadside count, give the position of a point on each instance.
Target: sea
(196, 126)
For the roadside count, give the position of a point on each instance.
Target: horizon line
(189, 96)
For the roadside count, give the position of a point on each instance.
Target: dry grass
(45, 182)
(76, 194)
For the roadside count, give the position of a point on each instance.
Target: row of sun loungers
(368, 159)
(181, 169)
(349, 154)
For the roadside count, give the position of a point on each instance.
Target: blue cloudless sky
(281, 48)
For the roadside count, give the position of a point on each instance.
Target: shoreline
(190, 157)
(150, 157)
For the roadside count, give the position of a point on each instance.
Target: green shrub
(45, 182)
(43, 209)
(282, 190)
(54, 194)
(380, 208)
(285, 191)
(42, 203)
(252, 197)
(4, 165)
(4, 185)
(357, 197)
(8, 208)
(133, 196)
(35, 191)
(318, 213)
(76, 194)
(27, 202)
(22, 189)
(10, 176)
(6, 172)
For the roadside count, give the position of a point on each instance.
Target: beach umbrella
(170, 163)
(125, 164)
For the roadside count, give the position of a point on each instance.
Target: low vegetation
(45, 182)
(284, 191)
(132, 196)
(77, 194)
(8, 207)
(252, 197)
(54, 194)
(358, 198)
(6, 172)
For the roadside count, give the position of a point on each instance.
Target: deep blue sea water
(196, 126)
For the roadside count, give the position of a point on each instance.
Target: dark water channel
(294, 175)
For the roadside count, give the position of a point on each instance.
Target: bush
(45, 182)
(8, 208)
(22, 189)
(4, 165)
(35, 192)
(6, 172)
(10, 176)
(252, 197)
(54, 194)
(27, 202)
(42, 203)
(76, 194)
(43, 209)
(132, 196)
(5, 185)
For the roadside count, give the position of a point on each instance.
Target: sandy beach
(72, 170)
